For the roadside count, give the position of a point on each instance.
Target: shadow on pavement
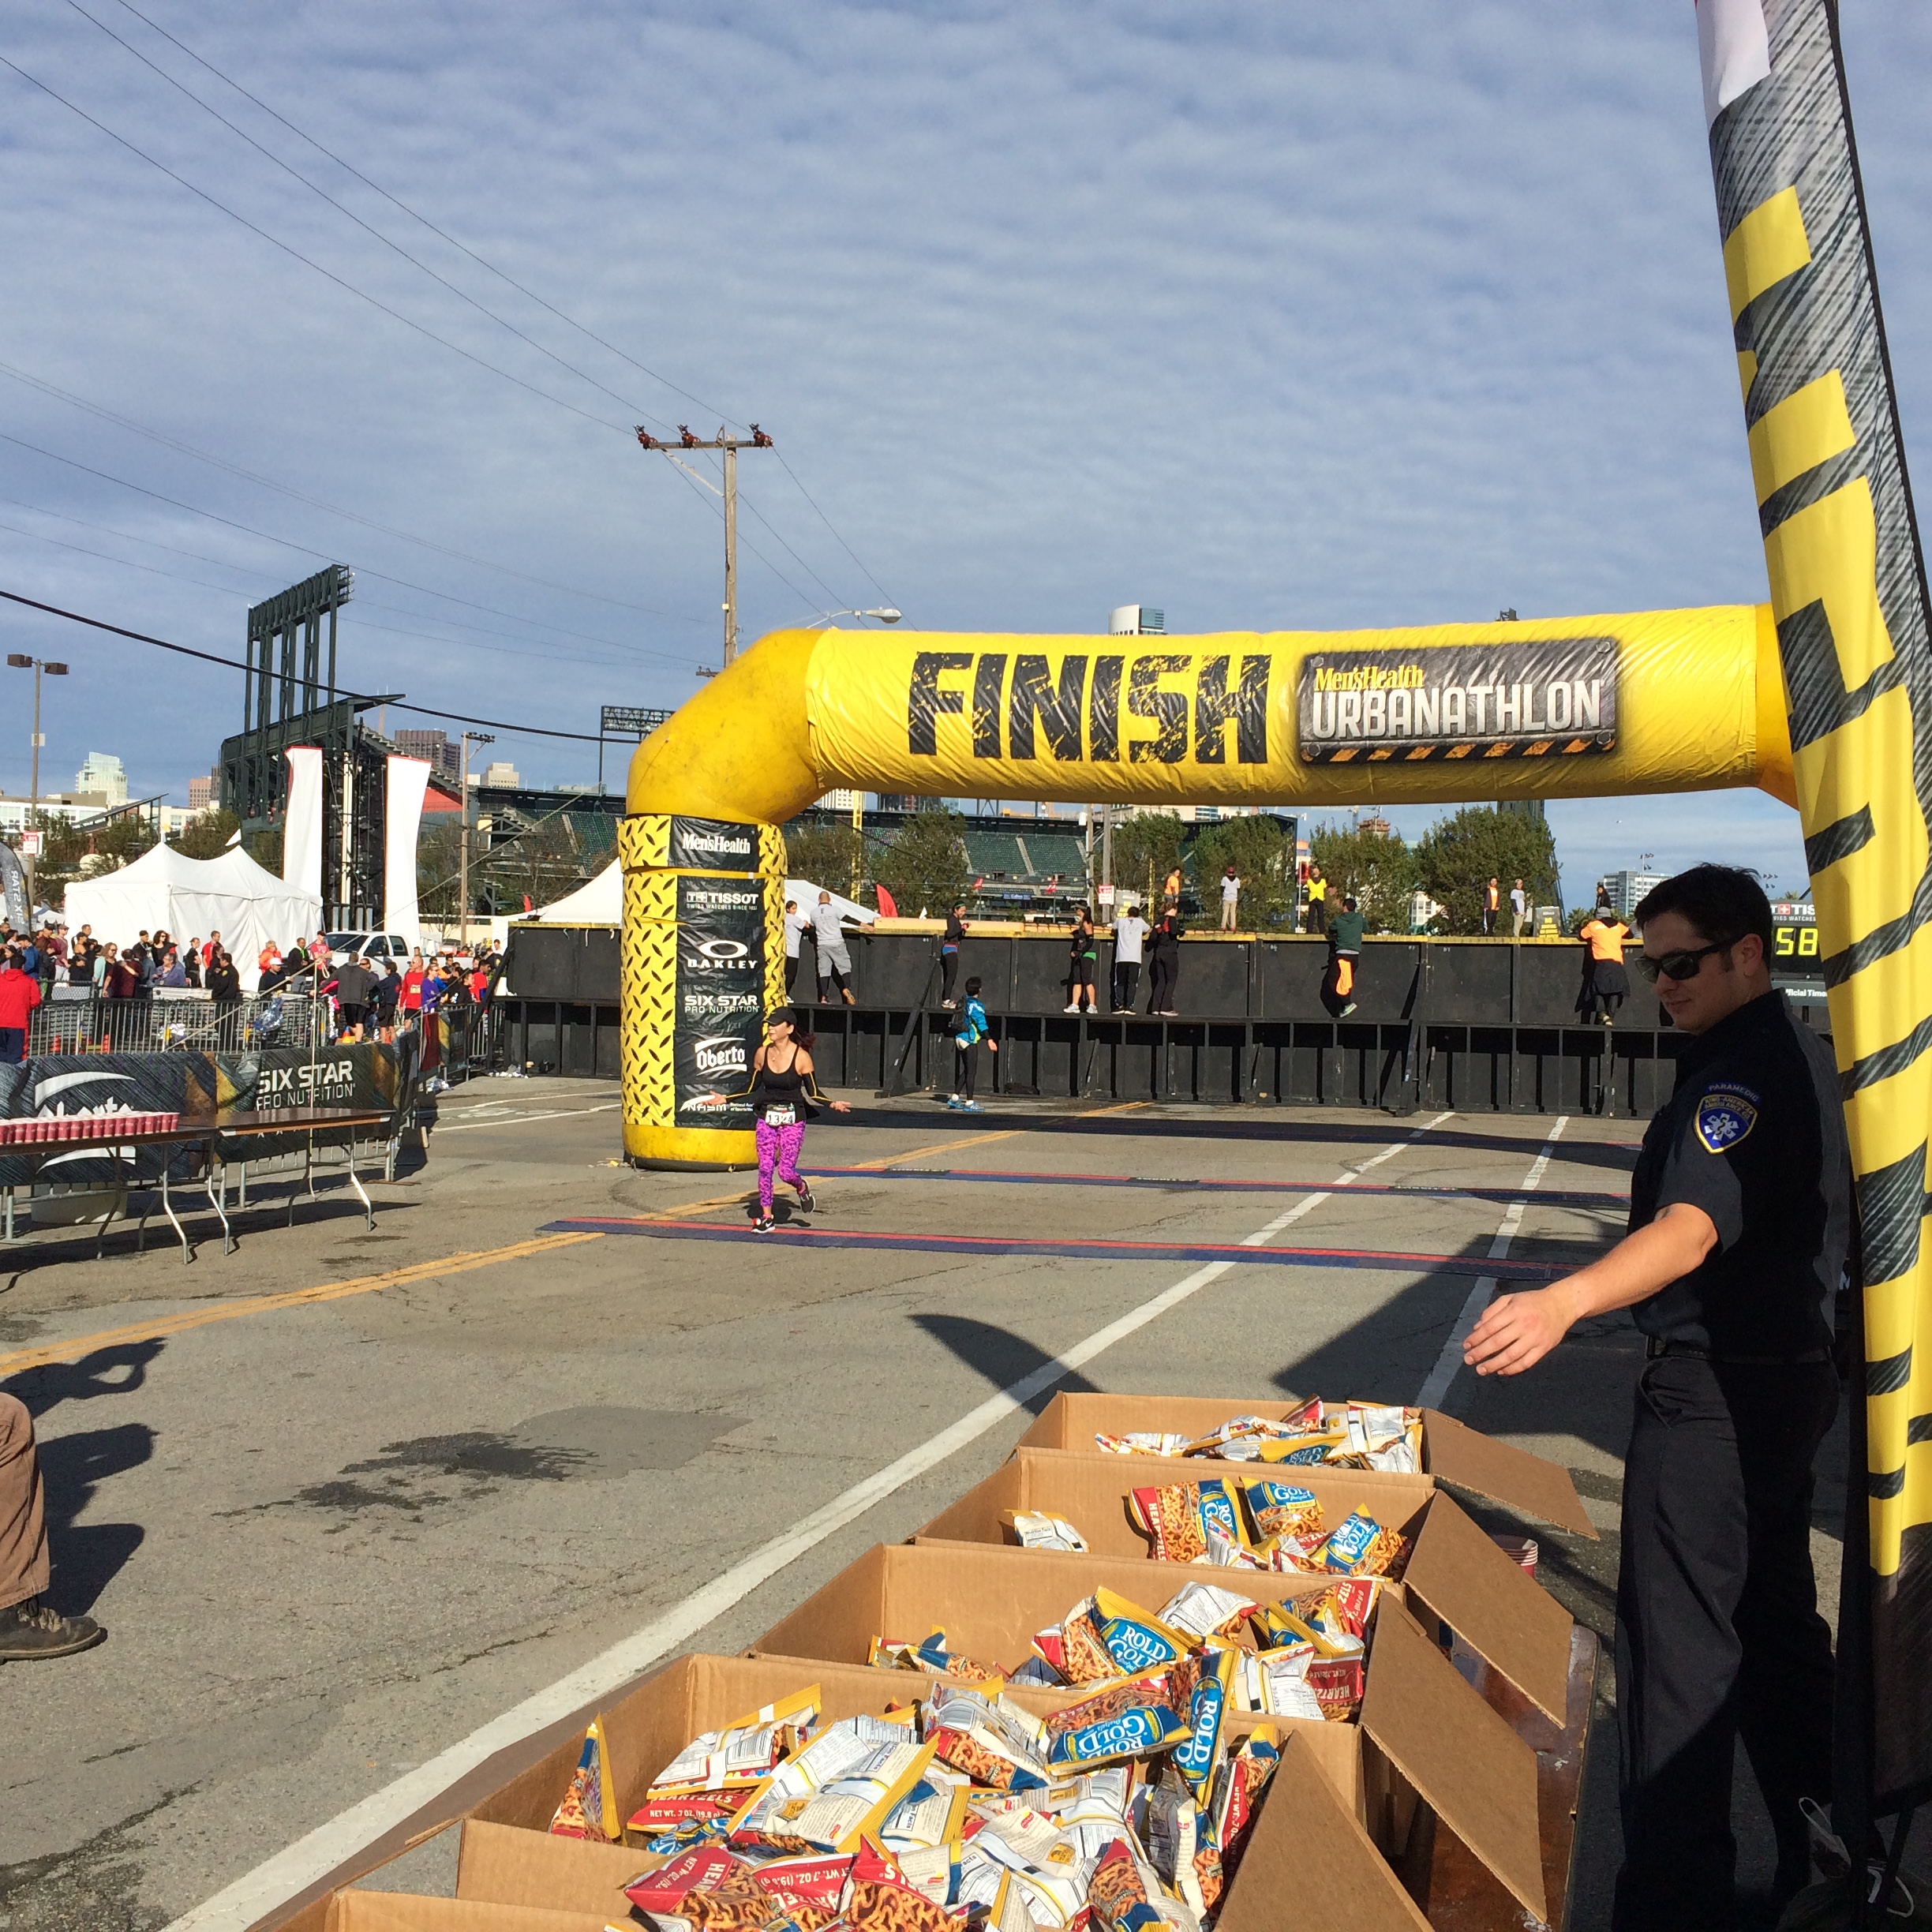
(1001, 1356)
(86, 1557)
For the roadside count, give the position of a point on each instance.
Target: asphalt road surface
(344, 1498)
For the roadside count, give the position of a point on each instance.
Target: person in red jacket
(20, 994)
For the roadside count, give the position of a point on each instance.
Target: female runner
(783, 1089)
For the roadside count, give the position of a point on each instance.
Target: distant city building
(1136, 621)
(838, 801)
(1524, 808)
(1628, 890)
(18, 814)
(502, 777)
(203, 792)
(1375, 825)
(434, 747)
(101, 777)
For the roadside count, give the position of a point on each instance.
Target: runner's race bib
(781, 1117)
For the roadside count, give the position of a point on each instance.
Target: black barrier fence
(168, 1021)
(1479, 1025)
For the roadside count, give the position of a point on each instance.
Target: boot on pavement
(33, 1630)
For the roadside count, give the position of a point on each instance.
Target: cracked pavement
(329, 1539)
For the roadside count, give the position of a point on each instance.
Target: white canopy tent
(600, 902)
(194, 898)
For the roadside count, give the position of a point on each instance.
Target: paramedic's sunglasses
(1676, 965)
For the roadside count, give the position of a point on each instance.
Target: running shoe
(806, 1203)
(1349, 1009)
(765, 1224)
(1073, 1009)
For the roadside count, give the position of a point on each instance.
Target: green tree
(925, 867)
(832, 856)
(1375, 866)
(1147, 848)
(1459, 855)
(1263, 860)
(206, 835)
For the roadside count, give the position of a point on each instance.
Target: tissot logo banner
(1539, 699)
(716, 844)
(721, 994)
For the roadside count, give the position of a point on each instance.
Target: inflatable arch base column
(702, 962)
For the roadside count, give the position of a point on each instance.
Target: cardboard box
(1436, 1743)
(408, 1912)
(1452, 1452)
(1459, 1574)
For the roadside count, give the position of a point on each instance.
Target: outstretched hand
(1517, 1330)
(840, 1107)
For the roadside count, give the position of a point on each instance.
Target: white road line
(518, 1120)
(240, 1904)
(1436, 1386)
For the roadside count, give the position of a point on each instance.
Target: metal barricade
(168, 1019)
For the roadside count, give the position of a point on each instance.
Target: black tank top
(784, 1090)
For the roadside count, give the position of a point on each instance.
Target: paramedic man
(1740, 1218)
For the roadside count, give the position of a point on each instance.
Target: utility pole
(731, 446)
(462, 863)
(20, 660)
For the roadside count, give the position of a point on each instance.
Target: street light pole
(462, 863)
(21, 662)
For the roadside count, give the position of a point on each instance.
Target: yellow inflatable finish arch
(1573, 707)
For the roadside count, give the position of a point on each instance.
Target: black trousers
(948, 965)
(965, 1066)
(1126, 980)
(792, 967)
(1718, 1635)
(1164, 972)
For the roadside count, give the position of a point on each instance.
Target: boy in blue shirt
(969, 1030)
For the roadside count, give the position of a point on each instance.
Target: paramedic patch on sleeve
(1723, 1119)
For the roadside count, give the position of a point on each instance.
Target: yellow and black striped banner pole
(1849, 598)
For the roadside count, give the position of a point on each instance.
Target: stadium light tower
(20, 660)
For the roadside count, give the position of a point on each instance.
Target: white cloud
(1316, 318)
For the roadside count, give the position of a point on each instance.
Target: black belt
(1656, 1350)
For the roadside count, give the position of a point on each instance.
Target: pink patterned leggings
(778, 1147)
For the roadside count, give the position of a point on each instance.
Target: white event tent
(193, 898)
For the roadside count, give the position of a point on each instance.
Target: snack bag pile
(1261, 1523)
(1126, 1812)
(1355, 1435)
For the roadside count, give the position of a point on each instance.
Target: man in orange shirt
(1492, 899)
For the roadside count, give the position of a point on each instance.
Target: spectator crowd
(357, 998)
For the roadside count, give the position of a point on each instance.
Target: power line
(317, 503)
(362, 604)
(443, 234)
(415, 214)
(368, 228)
(301, 549)
(296, 254)
(823, 518)
(235, 664)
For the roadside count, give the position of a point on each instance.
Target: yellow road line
(1008, 1134)
(164, 1325)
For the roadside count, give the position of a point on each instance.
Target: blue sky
(1315, 316)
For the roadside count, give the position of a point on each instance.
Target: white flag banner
(409, 779)
(301, 825)
(1735, 45)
